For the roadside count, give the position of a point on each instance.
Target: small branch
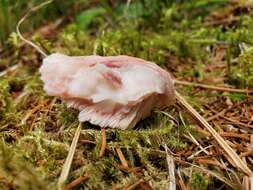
(223, 89)
(103, 145)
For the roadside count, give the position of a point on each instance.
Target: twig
(76, 182)
(237, 160)
(223, 89)
(103, 145)
(66, 167)
(171, 168)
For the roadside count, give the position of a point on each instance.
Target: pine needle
(237, 160)
(121, 156)
(66, 167)
(103, 145)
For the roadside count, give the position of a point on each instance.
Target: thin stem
(34, 9)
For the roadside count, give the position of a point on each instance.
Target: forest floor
(208, 42)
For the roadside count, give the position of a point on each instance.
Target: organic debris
(206, 44)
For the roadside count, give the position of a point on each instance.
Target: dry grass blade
(223, 89)
(34, 9)
(237, 160)
(171, 168)
(66, 167)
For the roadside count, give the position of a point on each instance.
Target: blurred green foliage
(199, 181)
(11, 12)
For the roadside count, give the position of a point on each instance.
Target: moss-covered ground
(209, 42)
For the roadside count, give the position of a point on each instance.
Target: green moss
(17, 171)
(199, 181)
(242, 73)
